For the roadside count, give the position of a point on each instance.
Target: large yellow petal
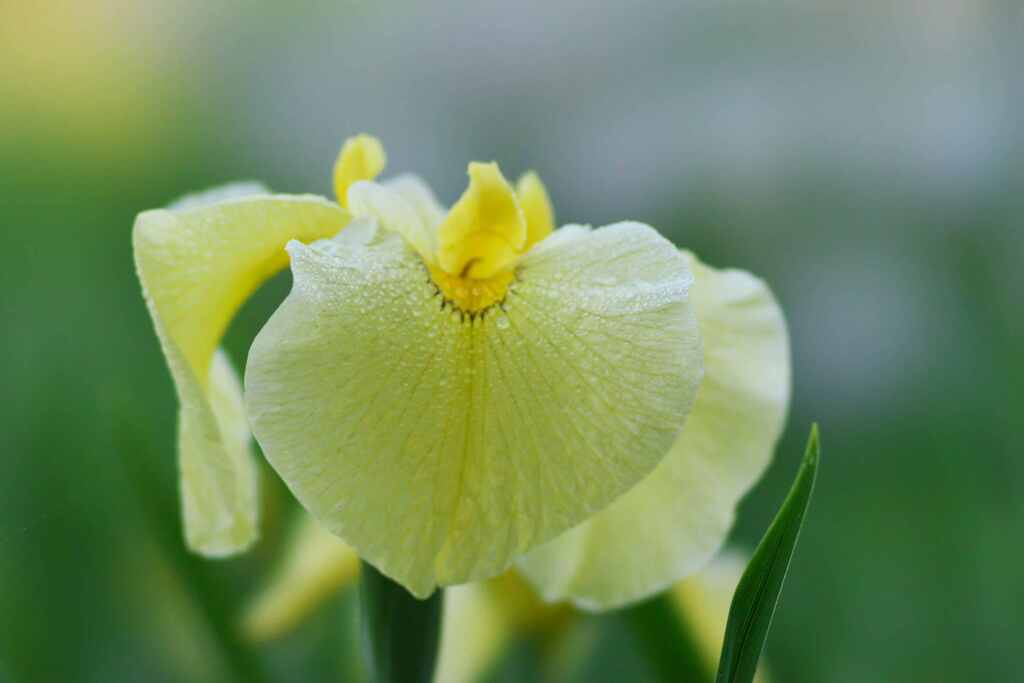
(197, 264)
(675, 520)
(442, 445)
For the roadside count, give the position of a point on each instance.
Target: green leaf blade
(757, 595)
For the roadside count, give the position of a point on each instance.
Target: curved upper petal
(393, 212)
(442, 445)
(418, 194)
(674, 521)
(218, 194)
(197, 264)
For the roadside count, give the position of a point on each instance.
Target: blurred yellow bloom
(93, 79)
(316, 565)
(448, 390)
(480, 619)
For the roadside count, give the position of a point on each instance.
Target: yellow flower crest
(472, 253)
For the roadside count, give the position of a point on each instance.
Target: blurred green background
(865, 159)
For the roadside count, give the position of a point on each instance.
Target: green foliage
(753, 605)
(400, 633)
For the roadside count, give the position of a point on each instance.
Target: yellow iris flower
(455, 391)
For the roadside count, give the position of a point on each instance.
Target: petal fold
(197, 264)
(675, 520)
(442, 445)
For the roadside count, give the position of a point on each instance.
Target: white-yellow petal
(316, 565)
(217, 473)
(197, 264)
(394, 213)
(672, 523)
(418, 194)
(442, 445)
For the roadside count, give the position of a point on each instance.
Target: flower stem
(400, 633)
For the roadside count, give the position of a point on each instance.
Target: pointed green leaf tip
(753, 605)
